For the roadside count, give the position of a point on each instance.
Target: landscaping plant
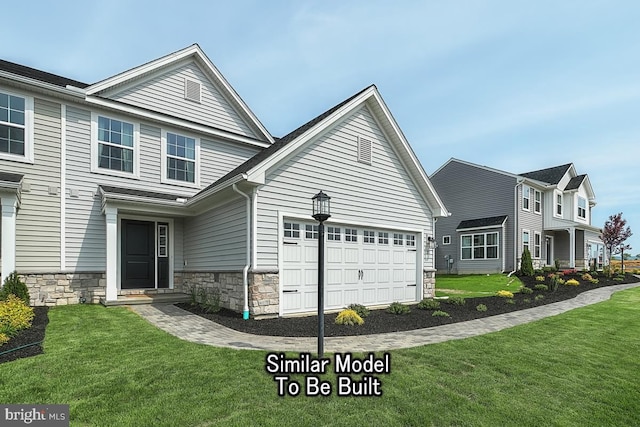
(349, 317)
(429, 304)
(14, 286)
(398, 308)
(15, 316)
(360, 309)
(526, 267)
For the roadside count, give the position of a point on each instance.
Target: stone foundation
(264, 294)
(65, 288)
(429, 283)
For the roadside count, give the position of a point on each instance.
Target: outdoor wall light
(321, 212)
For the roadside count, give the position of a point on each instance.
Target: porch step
(146, 299)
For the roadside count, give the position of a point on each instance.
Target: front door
(138, 254)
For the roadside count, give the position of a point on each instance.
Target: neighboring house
(496, 214)
(161, 178)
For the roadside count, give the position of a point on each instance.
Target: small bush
(509, 301)
(525, 290)
(15, 316)
(526, 267)
(505, 294)
(397, 308)
(538, 297)
(349, 317)
(572, 282)
(429, 304)
(3, 339)
(360, 309)
(586, 277)
(541, 287)
(618, 279)
(481, 307)
(539, 278)
(456, 300)
(209, 300)
(440, 313)
(561, 281)
(594, 281)
(526, 300)
(14, 286)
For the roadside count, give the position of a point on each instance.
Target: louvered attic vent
(364, 150)
(192, 90)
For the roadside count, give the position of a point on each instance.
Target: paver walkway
(194, 328)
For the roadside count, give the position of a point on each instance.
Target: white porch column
(9, 209)
(572, 247)
(111, 215)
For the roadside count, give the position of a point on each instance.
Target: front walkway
(194, 328)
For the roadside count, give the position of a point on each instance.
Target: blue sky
(517, 86)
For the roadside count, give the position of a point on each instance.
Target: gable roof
(574, 183)
(254, 169)
(494, 221)
(195, 53)
(551, 175)
(43, 76)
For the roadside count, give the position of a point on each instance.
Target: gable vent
(364, 150)
(192, 90)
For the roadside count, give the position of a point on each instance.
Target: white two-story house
(496, 214)
(161, 178)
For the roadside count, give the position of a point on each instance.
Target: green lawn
(114, 369)
(475, 285)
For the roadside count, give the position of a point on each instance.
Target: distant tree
(614, 234)
(626, 256)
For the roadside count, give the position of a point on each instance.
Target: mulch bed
(380, 321)
(35, 334)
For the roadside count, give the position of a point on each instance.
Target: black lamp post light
(321, 212)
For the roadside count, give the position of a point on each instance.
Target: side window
(16, 127)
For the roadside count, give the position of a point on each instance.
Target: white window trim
(163, 163)
(528, 198)
(555, 204)
(537, 246)
(446, 240)
(95, 153)
(581, 218)
(28, 131)
(485, 246)
(539, 210)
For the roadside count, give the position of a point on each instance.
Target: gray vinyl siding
(216, 239)
(38, 219)
(381, 194)
(178, 244)
(487, 266)
(165, 94)
(529, 220)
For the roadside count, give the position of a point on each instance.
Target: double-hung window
(537, 243)
(525, 240)
(114, 148)
(180, 159)
(582, 208)
(526, 197)
(537, 201)
(16, 127)
(558, 211)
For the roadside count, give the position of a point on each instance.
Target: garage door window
(369, 236)
(291, 230)
(311, 231)
(383, 238)
(350, 235)
(398, 239)
(411, 240)
(333, 233)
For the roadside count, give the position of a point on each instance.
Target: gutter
(515, 226)
(245, 270)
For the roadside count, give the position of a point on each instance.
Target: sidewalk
(191, 327)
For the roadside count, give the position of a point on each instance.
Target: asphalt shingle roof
(140, 193)
(10, 177)
(493, 221)
(42, 76)
(551, 175)
(575, 182)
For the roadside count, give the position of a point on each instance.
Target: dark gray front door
(138, 254)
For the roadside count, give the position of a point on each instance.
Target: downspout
(245, 270)
(515, 226)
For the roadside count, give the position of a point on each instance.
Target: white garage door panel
(371, 273)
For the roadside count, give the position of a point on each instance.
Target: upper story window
(526, 197)
(582, 208)
(114, 147)
(180, 159)
(16, 127)
(537, 201)
(558, 211)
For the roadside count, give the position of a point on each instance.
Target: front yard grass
(115, 369)
(475, 285)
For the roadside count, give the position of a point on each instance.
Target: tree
(614, 235)
(526, 267)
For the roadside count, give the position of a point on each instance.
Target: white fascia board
(172, 121)
(204, 194)
(10, 185)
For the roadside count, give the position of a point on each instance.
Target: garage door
(367, 266)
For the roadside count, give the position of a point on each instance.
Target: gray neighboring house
(161, 178)
(496, 214)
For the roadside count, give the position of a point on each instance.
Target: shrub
(15, 316)
(505, 294)
(561, 281)
(526, 266)
(193, 295)
(525, 290)
(397, 308)
(541, 287)
(429, 304)
(3, 339)
(349, 317)
(618, 279)
(572, 282)
(481, 307)
(526, 300)
(509, 301)
(539, 278)
(440, 313)
(360, 309)
(594, 281)
(456, 300)
(586, 277)
(13, 285)
(538, 297)
(209, 300)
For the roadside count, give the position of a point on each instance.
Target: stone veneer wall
(429, 283)
(65, 288)
(264, 294)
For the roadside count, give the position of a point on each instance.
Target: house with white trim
(496, 214)
(161, 178)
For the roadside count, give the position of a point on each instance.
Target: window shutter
(364, 150)
(192, 90)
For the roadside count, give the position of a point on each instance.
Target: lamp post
(321, 212)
